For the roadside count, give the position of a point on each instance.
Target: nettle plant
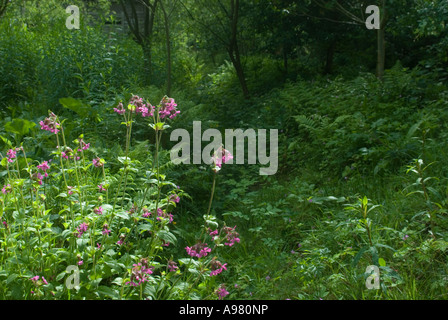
(71, 229)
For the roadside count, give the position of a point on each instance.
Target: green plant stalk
(107, 190)
(427, 198)
(61, 160)
(79, 186)
(211, 196)
(128, 145)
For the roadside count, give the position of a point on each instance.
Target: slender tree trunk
(235, 58)
(381, 43)
(147, 63)
(285, 61)
(329, 59)
(381, 54)
(168, 50)
(142, 34)
(233, 49)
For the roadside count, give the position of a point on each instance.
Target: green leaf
(19, 126)
(11, 278)
(76, 106)
(382, 262)
(359, 255)
(122, 214)
(6, 141)
(108, 292)
(166, 236)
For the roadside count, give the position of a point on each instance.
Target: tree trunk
(168, 50)
(142, 35)
(381, 43)
(381, 53)
(233, 49)
(236, 61)
(329, 59)
(147, 64)
(285, 61)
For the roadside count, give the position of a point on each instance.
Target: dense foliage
(93, 207)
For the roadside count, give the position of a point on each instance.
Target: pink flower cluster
(50, 123)
(81, 229)
(12, 154)
(120, 109)
(214, 234)
(199, 250)
(168, 108)
(146, 212)
(36, 281)
(68, 153)
(121, 241)
(221, 292)
(38, 177)
(145, 109)
(172, 266)
(140, 273)
(174, 198)
(221, 156)
(163, 215)
(98, 210)
(83, 145)
(44, 167)
(217, 267)
(97, 162)
(231, 236)
(6, 189)
(105, 230)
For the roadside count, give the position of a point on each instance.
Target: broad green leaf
(19, 126)
(75, 105)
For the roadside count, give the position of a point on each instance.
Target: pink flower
(12, 154)
(121, 241)
(231, 236)
(6, 189)
(98, 210)
(80, 262)
(44, 166)
(97, 162)
(81, 229)
(165, 244)
(105, 230)
(168, 108)
(163, 215)
(172, 266)
(140, 273)
(217, 267)
(214, 234)
(221, 292)
(120, 109)
(221, 156)
(50, 123)
(83, 145)
(199, 250)
(44, 281)
(174, 198)
(70, 192)
(146, 213)
(100, 186)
